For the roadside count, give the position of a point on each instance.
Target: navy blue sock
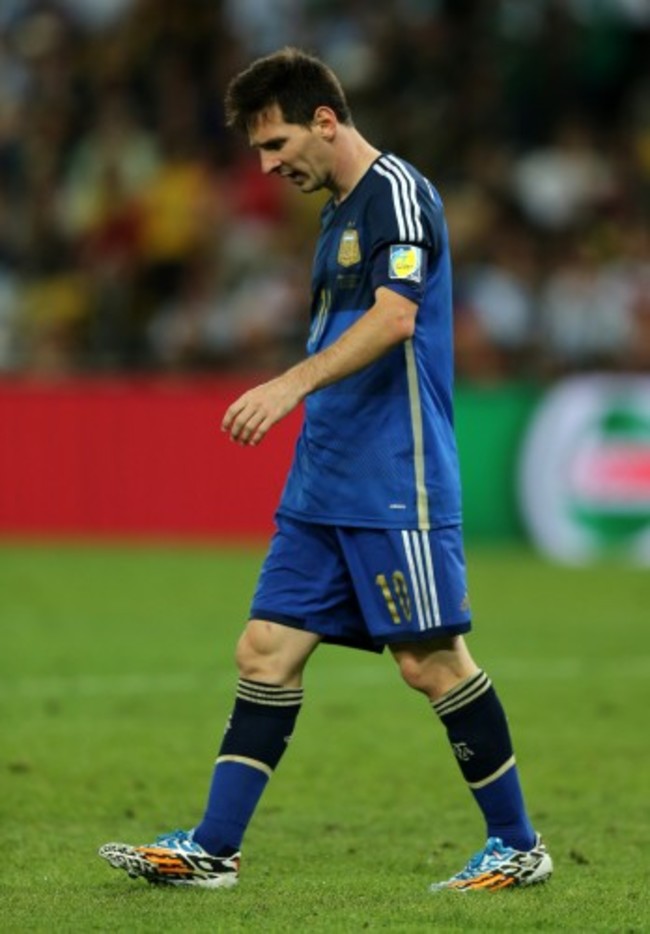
(478, 732)
(257, 733)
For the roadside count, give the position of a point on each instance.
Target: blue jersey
(377, 449)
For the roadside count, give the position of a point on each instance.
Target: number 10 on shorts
(396, 595)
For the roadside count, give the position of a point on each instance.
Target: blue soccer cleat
(499, 867)
(174, 859)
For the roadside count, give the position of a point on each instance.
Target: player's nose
(270, 162)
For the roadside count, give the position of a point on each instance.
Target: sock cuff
(463, 694)
(268, 695)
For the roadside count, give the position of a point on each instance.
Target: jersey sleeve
(404, 221)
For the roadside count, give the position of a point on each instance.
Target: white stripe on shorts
(414, 580)
(426, 602)
(433, 591)
(417, 549)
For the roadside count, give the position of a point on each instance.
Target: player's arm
(388, 323)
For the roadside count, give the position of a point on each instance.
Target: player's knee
(273, 653)
(262, 654)
(253, 656)
(415, 673)
(436, 667)
(427, 674)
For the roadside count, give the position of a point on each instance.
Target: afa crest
(349, 248)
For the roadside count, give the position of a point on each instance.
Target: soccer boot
(174, 859)
(499, 867)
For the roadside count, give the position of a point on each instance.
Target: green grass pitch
(116, 680)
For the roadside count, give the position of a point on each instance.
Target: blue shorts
(364, 587)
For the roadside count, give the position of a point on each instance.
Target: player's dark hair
(297, 82)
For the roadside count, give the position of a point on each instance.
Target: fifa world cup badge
(405, 262)
(349, 249)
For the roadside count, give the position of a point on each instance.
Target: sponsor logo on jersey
(349, 248)
(405, 262)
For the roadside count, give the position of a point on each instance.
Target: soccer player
(368, 546)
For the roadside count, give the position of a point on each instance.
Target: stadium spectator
(117, 177)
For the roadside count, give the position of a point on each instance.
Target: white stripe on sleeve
(411, 198)
(401, 226)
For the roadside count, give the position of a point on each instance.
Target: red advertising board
(141, 457)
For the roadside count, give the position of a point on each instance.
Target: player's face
(298, 153)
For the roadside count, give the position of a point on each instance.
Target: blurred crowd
(137, 233)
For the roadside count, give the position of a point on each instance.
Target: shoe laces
(179, 840)
(490, 856)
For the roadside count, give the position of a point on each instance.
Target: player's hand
(249, 418)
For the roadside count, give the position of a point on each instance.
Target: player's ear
(325, 123)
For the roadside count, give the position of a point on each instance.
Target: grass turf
(116, 679)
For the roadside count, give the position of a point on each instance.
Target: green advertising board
(490, 424)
